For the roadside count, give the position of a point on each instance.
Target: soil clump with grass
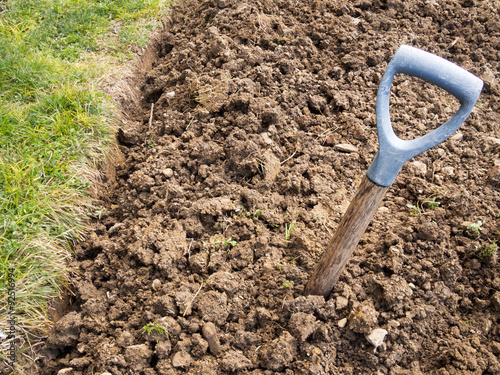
(255, 127)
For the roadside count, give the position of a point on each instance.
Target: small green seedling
(262, 165)
(156, 328)
(240, 211)
(432, 204)
(415, 210)
(149, 142)
(287, 285)
(475, 228)
(288, 230)
(230, 242)
(468, 323)
(215, 242)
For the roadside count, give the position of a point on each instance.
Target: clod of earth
(210, 334)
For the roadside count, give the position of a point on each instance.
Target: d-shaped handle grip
(394, 151)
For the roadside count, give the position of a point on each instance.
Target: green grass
(224, 243)
(68, 29)
(56, 131)
(289, 228)
(154, 327)
(488, 250)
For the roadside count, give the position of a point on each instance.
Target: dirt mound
(256, 125)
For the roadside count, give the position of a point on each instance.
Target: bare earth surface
(254, 129)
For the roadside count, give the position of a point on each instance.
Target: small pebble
(156, 284)
(420, 168)
(393, 323)
(345, 147)
(449, 171)
(341, 303)
(342, 322)
(168, 172)
(376, 337)
(266, 138)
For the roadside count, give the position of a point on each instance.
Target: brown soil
(240, 135)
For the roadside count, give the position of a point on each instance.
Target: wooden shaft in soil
(344, 241)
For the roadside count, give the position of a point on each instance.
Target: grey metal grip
(394, 151)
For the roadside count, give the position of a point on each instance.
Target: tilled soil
(255, 126)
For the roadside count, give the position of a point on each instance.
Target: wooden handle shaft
(351, 228)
